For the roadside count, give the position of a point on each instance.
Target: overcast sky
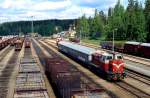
(15, 10)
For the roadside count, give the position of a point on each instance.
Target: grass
(97, 41)
(91, 41)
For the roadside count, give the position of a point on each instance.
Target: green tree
(115, 21)
(97, 29)
(83, 26)
(140, 33)
(147, 18)
(135, 21)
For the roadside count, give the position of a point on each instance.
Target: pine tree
(140, 33)
(116, 22)
(147, 18)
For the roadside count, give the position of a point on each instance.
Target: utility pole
(114, 39)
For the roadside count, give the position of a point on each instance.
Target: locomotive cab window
(118, 57)
(109, 57)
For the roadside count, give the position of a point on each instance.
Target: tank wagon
(134, 48)
(69, 82)
(109, 64)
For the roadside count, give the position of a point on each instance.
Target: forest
(43, 27)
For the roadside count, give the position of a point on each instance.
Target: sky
(16, 10)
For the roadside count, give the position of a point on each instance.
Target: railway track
(5, 52)
(142, 78)
(133, 90)
(6, 75)
(130, 88)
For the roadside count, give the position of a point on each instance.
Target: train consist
(109, 64)
(134, 48)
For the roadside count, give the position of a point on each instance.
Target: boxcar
(145, 50)
(77, 51)
(131, 47)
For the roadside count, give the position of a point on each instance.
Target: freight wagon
(69, 82)
(27, 42)
(144, 50)
(109, 64)
(77, 51)
(18, 44)
(131, 47)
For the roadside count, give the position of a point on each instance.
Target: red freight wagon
(131, 47)
(145, 50)
(18, 44)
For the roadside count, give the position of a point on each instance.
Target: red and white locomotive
(109, 64)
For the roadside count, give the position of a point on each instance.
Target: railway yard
(43, 68)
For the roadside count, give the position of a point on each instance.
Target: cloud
(15, 10)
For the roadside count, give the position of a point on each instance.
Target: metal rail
(142, 78)
(4, 53)
(133, 90)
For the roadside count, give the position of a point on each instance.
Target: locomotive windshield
(118, 56)
(109, 58)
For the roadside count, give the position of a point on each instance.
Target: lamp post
(32, 27)
(80, 34)
(114, 39)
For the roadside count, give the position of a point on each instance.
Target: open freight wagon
(69, 82)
